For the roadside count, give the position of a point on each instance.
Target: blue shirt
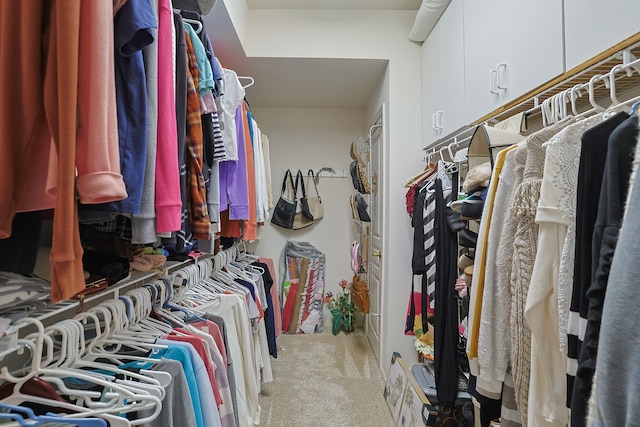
(133, 25)
(182, 355)
(205, 77)
(210, 414)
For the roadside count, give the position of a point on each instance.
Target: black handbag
(285, 210)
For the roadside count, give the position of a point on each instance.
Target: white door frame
(377, 129)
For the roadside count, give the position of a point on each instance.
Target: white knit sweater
(547, 384)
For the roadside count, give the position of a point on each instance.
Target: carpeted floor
(322, 380)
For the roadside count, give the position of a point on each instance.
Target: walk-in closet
(310, 213)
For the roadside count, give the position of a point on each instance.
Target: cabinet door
(511, 47)
(593, 26)
(443, 95)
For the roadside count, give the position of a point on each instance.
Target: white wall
(311, 138)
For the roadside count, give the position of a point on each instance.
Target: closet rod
(572, 94)
(459, 138)
(67, 309)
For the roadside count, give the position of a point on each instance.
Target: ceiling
(301, 82)
(313, 82)
(336, 4)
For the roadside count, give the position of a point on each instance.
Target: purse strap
(300, 180)
(294, 188)
(311, 175)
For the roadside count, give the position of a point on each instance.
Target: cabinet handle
(375, 314)
(433, 122)
(439, 114)
(499, 75)
(493, 81)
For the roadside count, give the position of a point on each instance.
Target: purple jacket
(234, 186)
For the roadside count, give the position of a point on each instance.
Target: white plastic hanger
(592, 100)
(251, 81)
(574, 94)
(194, 23)
(73, 335)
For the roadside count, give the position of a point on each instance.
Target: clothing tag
(4, 325)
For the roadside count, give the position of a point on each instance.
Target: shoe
(354, 207)
(464, 261)
(362, 209)
(471, 207)
(468, 275)
(355, 153)
(468, 238)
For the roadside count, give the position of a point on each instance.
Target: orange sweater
(250, 227)
(39, 104)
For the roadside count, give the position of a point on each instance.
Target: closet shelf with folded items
(205, 330)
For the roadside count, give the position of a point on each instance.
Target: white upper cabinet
(443, 93)
(511, 47)
(593, 26)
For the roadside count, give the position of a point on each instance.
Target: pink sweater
(168, 201)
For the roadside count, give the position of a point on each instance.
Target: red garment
(287, 312)
(198, 344)
(213, 329)
(229, 227)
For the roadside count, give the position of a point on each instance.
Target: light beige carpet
(322, 380)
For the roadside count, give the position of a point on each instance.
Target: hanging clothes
(592, 164)
(615, 182)
(555, 213)
(196, 195)
(228, 103)
(250, 225)
(446, 312)
(525, 241)
(617, 367)
(55, 111)
(134, 26)
(143, 223)
(168, 202)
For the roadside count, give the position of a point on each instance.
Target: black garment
(446, 310)
(18, 252)
(613, 195)
(591, 169)
(490, 409)
(417, 222)
(269, 317)
(207, 138)
(418, 259)
(184, 235)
